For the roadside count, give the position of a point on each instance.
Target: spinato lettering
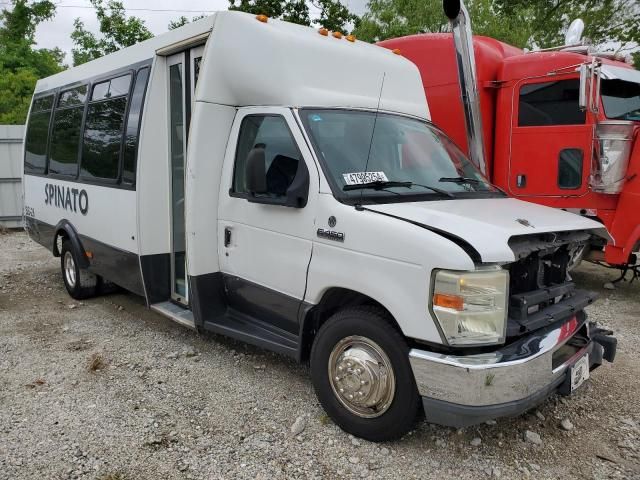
(70, 199)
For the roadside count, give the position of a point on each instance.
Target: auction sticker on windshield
(358, 178)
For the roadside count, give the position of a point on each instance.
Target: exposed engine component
(540, 288)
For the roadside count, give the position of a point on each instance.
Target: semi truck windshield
(402, 157)
(621, 100)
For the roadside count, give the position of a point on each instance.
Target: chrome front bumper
(463, 390)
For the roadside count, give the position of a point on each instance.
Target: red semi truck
(559, 127)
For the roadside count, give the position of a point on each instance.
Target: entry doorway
(182, 72)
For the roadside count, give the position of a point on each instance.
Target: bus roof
(137, 53)
(248, 62)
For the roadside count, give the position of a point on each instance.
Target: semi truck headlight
(471, 307)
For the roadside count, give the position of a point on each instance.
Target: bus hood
(488, 224)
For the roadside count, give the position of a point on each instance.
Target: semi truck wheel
(80, 283)
(361, 374)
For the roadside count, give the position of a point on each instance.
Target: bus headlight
(471, 307)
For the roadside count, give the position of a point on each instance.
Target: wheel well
(58, 238)
(333, 300)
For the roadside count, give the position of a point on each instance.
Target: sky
(157, 14)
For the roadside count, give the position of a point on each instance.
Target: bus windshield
(373, 157)
(621, 100)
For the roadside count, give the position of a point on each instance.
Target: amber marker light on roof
(262, 18)
(323, 31)
(351, 38)
(396, 51)
(337, 35)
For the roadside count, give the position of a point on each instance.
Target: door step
(251, 330)
(178, 314)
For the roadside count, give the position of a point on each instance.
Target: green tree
(636, 60)
(605, 20)
(21, 65)
(117, 31)
(333, 14)
(181, 21)
(394, 18)
(523, 23)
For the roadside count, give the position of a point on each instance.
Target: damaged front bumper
(465, 390)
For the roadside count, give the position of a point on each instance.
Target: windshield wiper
(473, 181)
(382, 185)
(470, 181)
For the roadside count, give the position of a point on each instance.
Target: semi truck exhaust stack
(465, 59)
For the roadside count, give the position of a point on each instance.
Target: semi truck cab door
(264, 245)
(551, 141)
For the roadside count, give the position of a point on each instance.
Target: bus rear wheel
(361, 374)
(80, 283)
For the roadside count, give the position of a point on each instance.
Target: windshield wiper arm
(473, 181)
(381, 185)
(377, 185)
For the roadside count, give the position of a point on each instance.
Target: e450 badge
(330, 235)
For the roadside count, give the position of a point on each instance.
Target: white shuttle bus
(283, 186)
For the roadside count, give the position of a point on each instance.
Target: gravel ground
(105, 389)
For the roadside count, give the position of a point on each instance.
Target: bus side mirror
(298, 191)
(582, 99)
(255, 171)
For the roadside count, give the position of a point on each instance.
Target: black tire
(80, 283)
(371, 323)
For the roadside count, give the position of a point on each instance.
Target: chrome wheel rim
(361, 376)
(69, 269)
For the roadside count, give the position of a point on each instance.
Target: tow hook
(602, 346)
(604, 339)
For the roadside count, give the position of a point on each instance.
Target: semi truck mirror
(255, 171)
(451, 8)
(584, 74)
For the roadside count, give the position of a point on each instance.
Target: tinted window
(111, 88)
(621, 100)
(73, 97)
(133, 127)
(196, 69)
(38, 135)
(102, 138)
(281, 153)
(43, 103)
(570, 168)
(100, 91)
(65, 140)
(550, 103)
(119, 86)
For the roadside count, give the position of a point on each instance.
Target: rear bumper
(465, 390)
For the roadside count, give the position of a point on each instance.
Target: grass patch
(324, 419)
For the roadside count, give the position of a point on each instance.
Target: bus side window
(103, 129)
(281, 153)
(132, 130)
(65, 137)
(550, 103)
(35, 155)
